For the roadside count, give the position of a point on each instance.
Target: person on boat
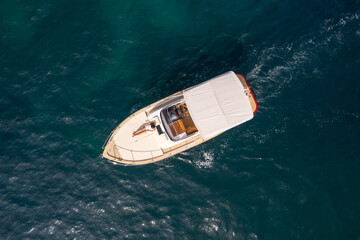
(146, 127)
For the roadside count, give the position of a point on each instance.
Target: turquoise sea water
(70, 71)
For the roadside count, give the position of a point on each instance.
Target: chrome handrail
(103, 146)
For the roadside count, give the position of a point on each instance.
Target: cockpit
(178, 122)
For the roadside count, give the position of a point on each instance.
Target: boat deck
(144, 146)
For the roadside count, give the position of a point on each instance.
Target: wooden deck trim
(251, 96)
(188, 141)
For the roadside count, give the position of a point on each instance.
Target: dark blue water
(70, 71)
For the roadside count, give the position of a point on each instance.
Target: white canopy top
(218, 104)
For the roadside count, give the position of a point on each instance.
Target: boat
(181, 121)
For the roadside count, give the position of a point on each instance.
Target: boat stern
(248, 92)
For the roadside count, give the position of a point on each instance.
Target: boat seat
(179, 127)
(191, 130)
(181, 124)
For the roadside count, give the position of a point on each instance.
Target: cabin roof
(218, 104)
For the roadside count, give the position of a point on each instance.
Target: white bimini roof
(218, 104)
